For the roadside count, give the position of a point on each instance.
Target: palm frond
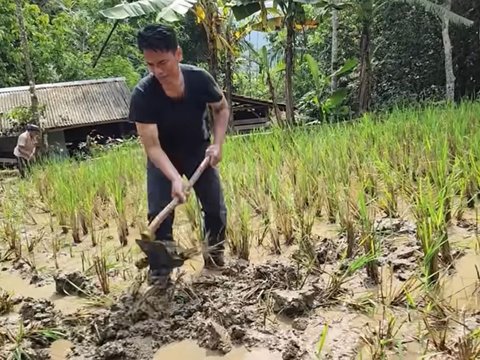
(169, 10)
(440, 11)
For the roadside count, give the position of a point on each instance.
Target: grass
(417, 163)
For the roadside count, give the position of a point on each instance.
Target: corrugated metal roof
(71, 104)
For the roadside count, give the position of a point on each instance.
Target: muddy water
(462, 289)
(18, 286)
(191, 351)
(59, 349)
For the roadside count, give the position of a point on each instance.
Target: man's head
(161, 51)
(33, 129)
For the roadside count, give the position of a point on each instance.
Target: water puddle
(462, 288)
(190, 350)
(16, 285)
(59, 349)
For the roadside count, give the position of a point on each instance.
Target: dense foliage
(407, 59)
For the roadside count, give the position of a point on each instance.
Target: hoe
(166, 253)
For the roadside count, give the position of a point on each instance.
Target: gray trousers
(208, 190)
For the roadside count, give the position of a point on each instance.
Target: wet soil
(268, 308)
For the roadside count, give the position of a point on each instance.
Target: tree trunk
(289, 63)
(365, 70)
(211, 22)
(229, 78)
(447, 48)
(273, 97)
(28, 62)
(335, 24)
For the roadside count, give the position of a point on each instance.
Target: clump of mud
(389, 226)
(74, 283)
(217, 311)
(40, 311)
(30, 335)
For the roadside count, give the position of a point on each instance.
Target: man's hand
(215, 153)
(178, 190)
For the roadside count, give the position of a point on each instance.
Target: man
(25, 149)
(169, 107)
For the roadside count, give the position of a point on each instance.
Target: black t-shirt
(182, 123)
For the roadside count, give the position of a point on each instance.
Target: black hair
(157, 37)
(32, 127)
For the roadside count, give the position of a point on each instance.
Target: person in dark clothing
(170, 109)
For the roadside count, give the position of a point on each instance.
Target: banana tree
(444, 13)
(264, 63)
(215, 18)
(328, 107)
(291, 16)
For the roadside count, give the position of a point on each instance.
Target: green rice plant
(304, 201)
(367, 236)
(384, 337)
(9, 229)
(339, 278)
(321, 342)
(400, 295)
(239, 229)
(388, 197)
(117, 188)
(282, 211)
(429, 209)
(87, 201)
(347, 214)
(193, 212)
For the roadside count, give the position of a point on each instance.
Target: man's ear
(179, 54)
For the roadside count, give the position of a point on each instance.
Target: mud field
(268, 308)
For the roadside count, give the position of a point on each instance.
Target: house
(75, 109)
(72, 111)
(251, 113)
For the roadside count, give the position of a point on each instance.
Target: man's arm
(221, 115)
(149, 137)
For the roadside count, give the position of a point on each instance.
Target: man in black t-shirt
(169, 107)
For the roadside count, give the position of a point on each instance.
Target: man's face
(34, 135)
(163, 64)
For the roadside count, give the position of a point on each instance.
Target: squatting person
(170, 109)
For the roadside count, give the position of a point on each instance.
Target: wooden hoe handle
(157, 221)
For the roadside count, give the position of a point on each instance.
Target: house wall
(7, 144)
(74, 137)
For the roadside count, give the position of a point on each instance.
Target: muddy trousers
(208, 191)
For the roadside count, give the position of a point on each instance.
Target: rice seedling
(10, 228)
(337, 279)
(321, 342)
(384, 337)
(101, 269)
(468, 346)
(239, 229)
(347, 214)
(429, 212)
(403, 294)
(6, 302)
(367, 236)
